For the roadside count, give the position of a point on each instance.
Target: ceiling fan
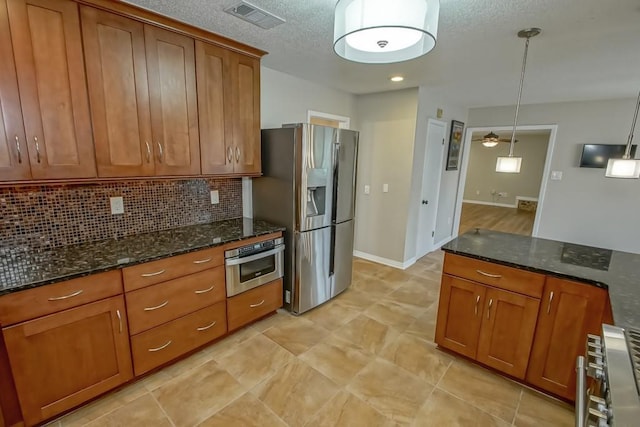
(491, 140)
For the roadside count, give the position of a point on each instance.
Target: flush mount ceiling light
(511, 164)
(383, 31)
(626, 167)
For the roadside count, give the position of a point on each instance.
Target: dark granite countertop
(619, 272)
(22, 269)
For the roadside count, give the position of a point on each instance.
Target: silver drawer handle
(257, 305)
(161, 154)
(18, 148)
(75, 294)
(204, 328)
(476, 307)
(204, 291)
(35, 139)
(119, 319)
(550, 301)
(237, 154)
(164, 304)
(148, 152)
(229, 154)
(202, 261)
(489, 309)
(153, 274)
(494, 276)
(162, 347)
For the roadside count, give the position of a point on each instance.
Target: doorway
(493, 197)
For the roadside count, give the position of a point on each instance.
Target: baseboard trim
(479, 202)
(386, 261)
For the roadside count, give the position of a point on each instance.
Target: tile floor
(366, 358)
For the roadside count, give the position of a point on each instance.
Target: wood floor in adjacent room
(508, 220)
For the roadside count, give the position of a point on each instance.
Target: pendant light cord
(515, 120)
(627, 151)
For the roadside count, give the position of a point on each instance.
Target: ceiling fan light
(380, 31)
(490, 144)
(508, 164)
(623, 168)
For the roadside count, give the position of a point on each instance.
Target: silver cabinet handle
(164, 304)
(204, 328)
(204, 291)
(489, 309)
(160, 152)
(476, 307)
(162, 347)
(257, 305)
(550, 301)
(148, 152)
(202, 261)
(237, 154)
(153, 274)
(18, 149)
(71, 295)
(494, 276)
(35, 139)
(119, 319)
(229, 154)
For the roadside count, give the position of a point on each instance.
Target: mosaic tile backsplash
(45, 217)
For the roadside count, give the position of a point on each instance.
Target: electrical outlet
(117, 205)
(215, 197)
(503, 194)
(367, 189)
(385, 188)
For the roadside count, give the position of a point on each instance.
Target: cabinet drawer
(159, 345)
(496, 275)
(253, 304)
(158, 304)
(47, 299)
(140, 276)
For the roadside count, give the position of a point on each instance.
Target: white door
(434, 153)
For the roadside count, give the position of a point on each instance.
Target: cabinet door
(569, 312)
(14, 157)
(459, 315)
(506, 335)
(64, 359)
(53, 87)
(119, 93)
(214, 109)
(174, 106)
(245, 82)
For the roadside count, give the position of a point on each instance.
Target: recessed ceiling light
(396, 78)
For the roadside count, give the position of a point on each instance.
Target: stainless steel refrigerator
(308, 182)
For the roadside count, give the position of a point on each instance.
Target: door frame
(436, 197)
(553, 128)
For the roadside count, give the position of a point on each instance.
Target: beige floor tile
(228, 344)
(444, 409)
(185, 365)
(541, 411)
(298, 335)
(198, 394)
(280, 318)
(362, 266)
(422, 296)
(296, 392)
(143, 412)
(337, 359)
(246, 411)
(483, 389)
(396, 275)
(255, 360)
(347, 410)
(390, 390)
(332, 314)
(356, 300)
(424, 327)
(104, 405)
(417, 357)
(374, 286)
(367, 333)
(395, 314)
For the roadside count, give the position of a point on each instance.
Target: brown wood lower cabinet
(254, 304)
(64, 359)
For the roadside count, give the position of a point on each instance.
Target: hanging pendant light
(626, 167)
(383, 31)
(510, 163)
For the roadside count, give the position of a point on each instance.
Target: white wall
(482, 177)
(584, 207)
(387, 123)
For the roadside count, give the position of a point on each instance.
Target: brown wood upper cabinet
(56, 141)
(229, 110)
(143, 97)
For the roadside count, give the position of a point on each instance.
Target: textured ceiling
(588, 49)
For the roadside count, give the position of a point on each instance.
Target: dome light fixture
(626, 167)
(510, 163)
(383, 31)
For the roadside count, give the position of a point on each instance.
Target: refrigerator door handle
(332, 251)
(335, 177)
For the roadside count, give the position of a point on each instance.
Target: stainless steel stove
(612, 397)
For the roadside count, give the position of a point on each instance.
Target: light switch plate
(385, 188)
(215, 197)
(556, 175)
(367, 189)
(117, 205)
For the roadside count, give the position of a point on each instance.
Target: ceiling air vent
(255, 15)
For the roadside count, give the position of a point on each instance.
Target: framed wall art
(455, 145)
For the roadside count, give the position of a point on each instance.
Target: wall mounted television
(597, 155)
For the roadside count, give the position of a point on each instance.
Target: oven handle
(581, 391)
(244, 260)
